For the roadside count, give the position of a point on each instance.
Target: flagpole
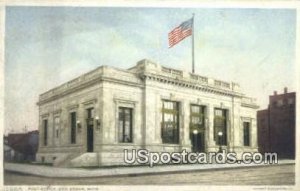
(193, 52)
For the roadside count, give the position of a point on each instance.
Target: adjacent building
(21, 147)
(90, 120)
(8, 152)
(276, 125)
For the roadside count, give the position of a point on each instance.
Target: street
(267, 175)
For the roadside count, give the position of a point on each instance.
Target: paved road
(270, 175)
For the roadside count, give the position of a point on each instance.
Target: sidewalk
(49, 171)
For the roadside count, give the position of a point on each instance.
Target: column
(253, 134)
(210, 128)
(185, 127)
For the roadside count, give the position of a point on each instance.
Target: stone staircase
(64, 159)
(85, 160)
(89, 159)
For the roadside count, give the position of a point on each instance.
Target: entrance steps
(76, 160)
(90, 159)
(64, 160)
(85, 160)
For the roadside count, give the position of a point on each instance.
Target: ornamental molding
(246, 119)
(181, 82)
(120, 100)
(45, 115)
(72, 107)
(253, 106)
(57, 112)
(89, 102)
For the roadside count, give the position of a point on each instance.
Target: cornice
(69, 91)
(181, 82)
(85, 85)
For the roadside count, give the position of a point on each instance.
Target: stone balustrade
(222, 84)
(172, 72)
(197, 78)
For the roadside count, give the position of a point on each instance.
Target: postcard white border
(157, 3)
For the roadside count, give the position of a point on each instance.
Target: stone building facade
(90, 120)
(276, 125)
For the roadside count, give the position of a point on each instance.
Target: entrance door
(197, 141)
(90, 129)
(197, 128)
(90, 136)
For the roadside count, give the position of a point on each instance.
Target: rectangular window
(45, 125)
(290, 101)
(220, 126)
(125, 125)
(197, 116)
(90, 113)
(280, 103)
(246, 126)
(73, 127)
(170, 122)
(56, 126)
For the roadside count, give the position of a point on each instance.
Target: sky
(47, 46)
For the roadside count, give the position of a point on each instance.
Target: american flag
(184, 30)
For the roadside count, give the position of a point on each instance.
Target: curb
(42, 171)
